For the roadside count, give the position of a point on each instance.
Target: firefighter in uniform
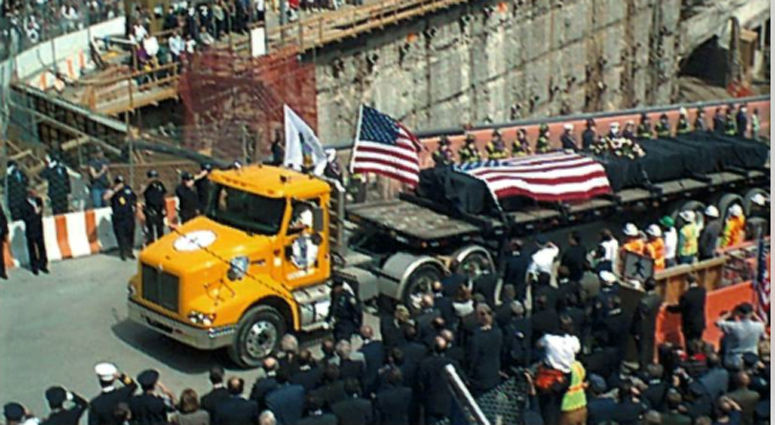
(644, 128)
(443, 154)
(188, 201)
(521, 146)
(629, 130)
(699, 120)
(589, 136)
(345, 312)
(655, 247)
(730, 128)
(542, 143)
(663, 126)
(123, 202)
(153, 207)
(567, 140)
(742, 121)
(58, 184)
(682, 128)
(468, 153)
(718, 121)
(496, 149)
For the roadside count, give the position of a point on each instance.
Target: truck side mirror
(317, 219)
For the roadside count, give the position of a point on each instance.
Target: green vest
(575, 398)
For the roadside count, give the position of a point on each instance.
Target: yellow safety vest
(689, 237)
(575, 398)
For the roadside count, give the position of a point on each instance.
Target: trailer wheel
(696, 206)
(258, 335)
(749, 195)
(476, 260)
(726, 201)
(419, 283)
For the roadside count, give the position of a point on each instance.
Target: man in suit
(414, 353)
(443, 304)
(101, 408)
(517, 336)
(315, 413)
(309, 373)
(516, 269)
(150, 408)
(691, 307)
(218, 392)
(425, 318)
(32, 214)
(235, 410)
(434, 391)
(373, 352)
(262, 386)
(56, 397)
(486, 283)
(353, 410)
(392, 327)
(287, 400)
(484, 352)
(3, 238)
(745, 397)
(392, 402)
(644, 323)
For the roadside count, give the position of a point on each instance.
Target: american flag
(553, 177)
(384, 146)
(762, 283)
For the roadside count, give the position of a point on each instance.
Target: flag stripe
(388, 171)
(373, 148)
(389, 162)
(578, 170)
(555, 181)
(543, 197)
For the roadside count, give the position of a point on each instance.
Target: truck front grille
(160, 288)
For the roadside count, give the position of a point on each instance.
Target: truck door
(306, 244)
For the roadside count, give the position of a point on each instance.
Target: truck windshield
(246, 211)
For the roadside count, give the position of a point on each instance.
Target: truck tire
(696, 206)
(258, 335)
(726, 201)
(747, 199)
(475, 259)
(418, 283)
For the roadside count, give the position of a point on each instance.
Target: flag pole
(355, 139)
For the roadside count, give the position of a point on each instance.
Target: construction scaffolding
(234, 105)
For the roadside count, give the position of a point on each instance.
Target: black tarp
(455, 192)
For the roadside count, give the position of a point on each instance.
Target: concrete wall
(492, 62)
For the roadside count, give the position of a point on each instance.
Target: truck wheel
(419, 283)
(475, 260)
(258, 335)
(696, 206)
(749, 195)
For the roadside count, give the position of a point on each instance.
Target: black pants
(36, 249)
(154, 225)
(692, 333)
(124, 229)
(58, 204)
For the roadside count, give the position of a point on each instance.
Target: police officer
(3, 237)
(663, 126)
(32, 215)
(567, 140)
(521, 146)
(469, 153)
(644, 128)
(718, 121)
(589, 135)
(153, 207)
(730, 124)
(202, 183)
(496, 149)
(345, 311)
(58, 184)
(123, 202)
(443, 154)
(56, 397)
(16, 183)
(742, 121)
(188, 201)
(101, 407)
(148, 408)
(542, 143)
(699, 120)
(682, 128)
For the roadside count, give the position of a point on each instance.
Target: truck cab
(254, 265)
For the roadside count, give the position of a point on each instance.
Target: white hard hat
(568, 126)
(654, 231)
(682, 111)
(630, 122)
(687, 215)
(607, 276)
(330, 155)
(630, 230)
(711, 211)
(106, 371)
(759, 200)
(736, 210)
(614, 125)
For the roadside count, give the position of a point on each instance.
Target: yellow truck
(260, 261)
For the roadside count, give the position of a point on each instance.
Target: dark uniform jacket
(261, 388)
(202, 192)
(691, 305)
(319, 419)
(123, 204)
(644, 321)
(58, 181)
(374, 355)
(188, 202)
(70, 416)
(434, 394)
(392, 405)
(3, 225)
(236, 411)
(101, 407)
(568, 142)
(149, 409)
(154, 197)
(211, 399)
(706, 245)
(484, 358)
(588, 139)
(353, 411)
(286, 402)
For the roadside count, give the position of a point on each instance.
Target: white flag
(301, 144)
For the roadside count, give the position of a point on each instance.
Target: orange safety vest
(635, 245)
(655, 249)
(733, 232)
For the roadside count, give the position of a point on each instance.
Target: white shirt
(611, 249)
(151, 46)
(139, 32)
(190, 45)
(543, 260)
(560, 351)
(177, 45)
(671, 243)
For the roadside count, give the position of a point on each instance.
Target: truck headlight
(238, 267)
(199, 318)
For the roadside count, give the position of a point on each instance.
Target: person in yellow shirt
(734, 230)
(574, 401)
(688, 236)
(655, 247)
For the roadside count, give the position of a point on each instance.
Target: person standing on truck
(730, 123)
(202, 183)
(188, 201)
(633, 241)
(670, 236)
(645, 131)
(58, 184)
(589, 136)
(613, 131)
(710, 234)
(663, 126)
(469, 153)
(567, 140)
(735, 227)
(521, 145)
(542, 143)
(699, 120)
(629, 130)
(443, 154)
(718, 121)
(496, 149)
(682, 128)
(655, 247)
(153, 207)
(742, 121)
(123, 202)
(345, 312)
(543, 260)
(691, 307)
(688, 236)
(32, 215)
